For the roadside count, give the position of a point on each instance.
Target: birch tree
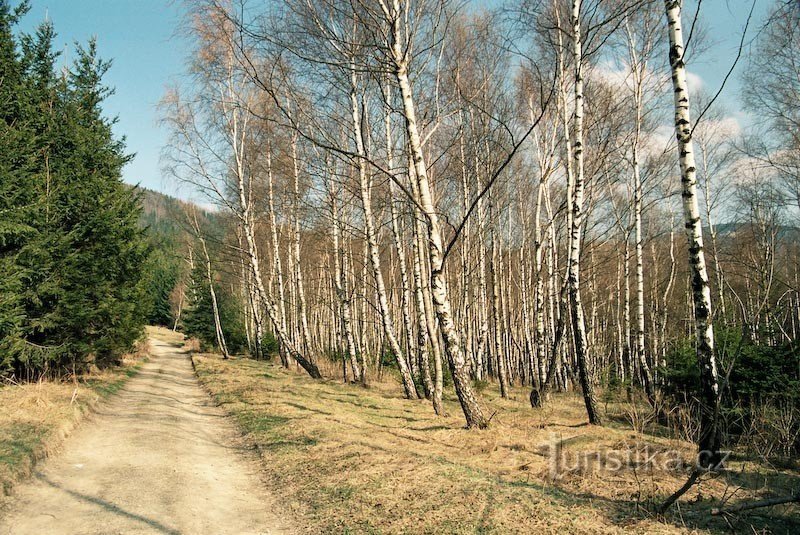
(576, 226)
(709, 440)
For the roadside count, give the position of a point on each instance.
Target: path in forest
(158, 457)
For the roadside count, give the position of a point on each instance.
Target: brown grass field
(345, 459)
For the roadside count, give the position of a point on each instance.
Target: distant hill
(165, 217)
(785, 233)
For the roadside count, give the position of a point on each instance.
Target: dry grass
(37, 417)
(347, 459)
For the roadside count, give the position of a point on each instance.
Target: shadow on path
(110, 507)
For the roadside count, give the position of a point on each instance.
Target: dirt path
(158, 458)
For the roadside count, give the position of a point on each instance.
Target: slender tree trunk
(301, 290)
(181, 298)
(483, 329)
(397, 233)
(425, 322)
(626, 314)
(641, 358)
(558, 314)
(710, 439)
(223, 347)
(344, 298)
(720, 276)
(427, 314)
(372, 247)
(541, 342)
(277, 267)
(272, 308)
(638, 72)
(502, 372)
(248, 227)
(473, 412)
(578, 320)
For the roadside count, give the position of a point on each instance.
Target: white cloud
(618, 76)
(723, 129)
(695, 82)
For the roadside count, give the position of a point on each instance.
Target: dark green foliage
(166, 268)
(765, 371)
(165, 219)
(756, 370)
(199, 317)
(160, 275)
(763, 384)
(71, 251)
(681, 376)
(270, 345)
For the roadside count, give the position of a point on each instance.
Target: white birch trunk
(372, 250)
(277, 267)
(709, 440)
(578, 320)
(452, 340)
(344, 298)
(301, 290)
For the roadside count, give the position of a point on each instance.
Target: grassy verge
(350, 460)
(37, 417)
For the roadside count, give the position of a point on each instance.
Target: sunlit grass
(354, 460)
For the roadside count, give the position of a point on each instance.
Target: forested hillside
(175, 280)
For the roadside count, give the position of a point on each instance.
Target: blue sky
(142, 38)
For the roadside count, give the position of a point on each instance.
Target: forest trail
(158, 457)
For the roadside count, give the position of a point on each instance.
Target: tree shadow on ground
(110, 507)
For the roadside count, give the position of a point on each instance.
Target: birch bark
(578, 320)
(277, 267)
(298, 273)
(343, 295)
(372, 249)
(452, 340)
(710, 439)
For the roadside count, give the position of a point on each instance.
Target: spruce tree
(71, 248)
(18, 202)
(198, 321)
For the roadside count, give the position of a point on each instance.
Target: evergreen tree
(18, 203)
(161, 274)
(198, 321)
(71, 249)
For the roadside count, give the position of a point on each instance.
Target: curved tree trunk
(441, 302)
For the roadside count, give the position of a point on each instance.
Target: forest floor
(349, 459)
(157, 457)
